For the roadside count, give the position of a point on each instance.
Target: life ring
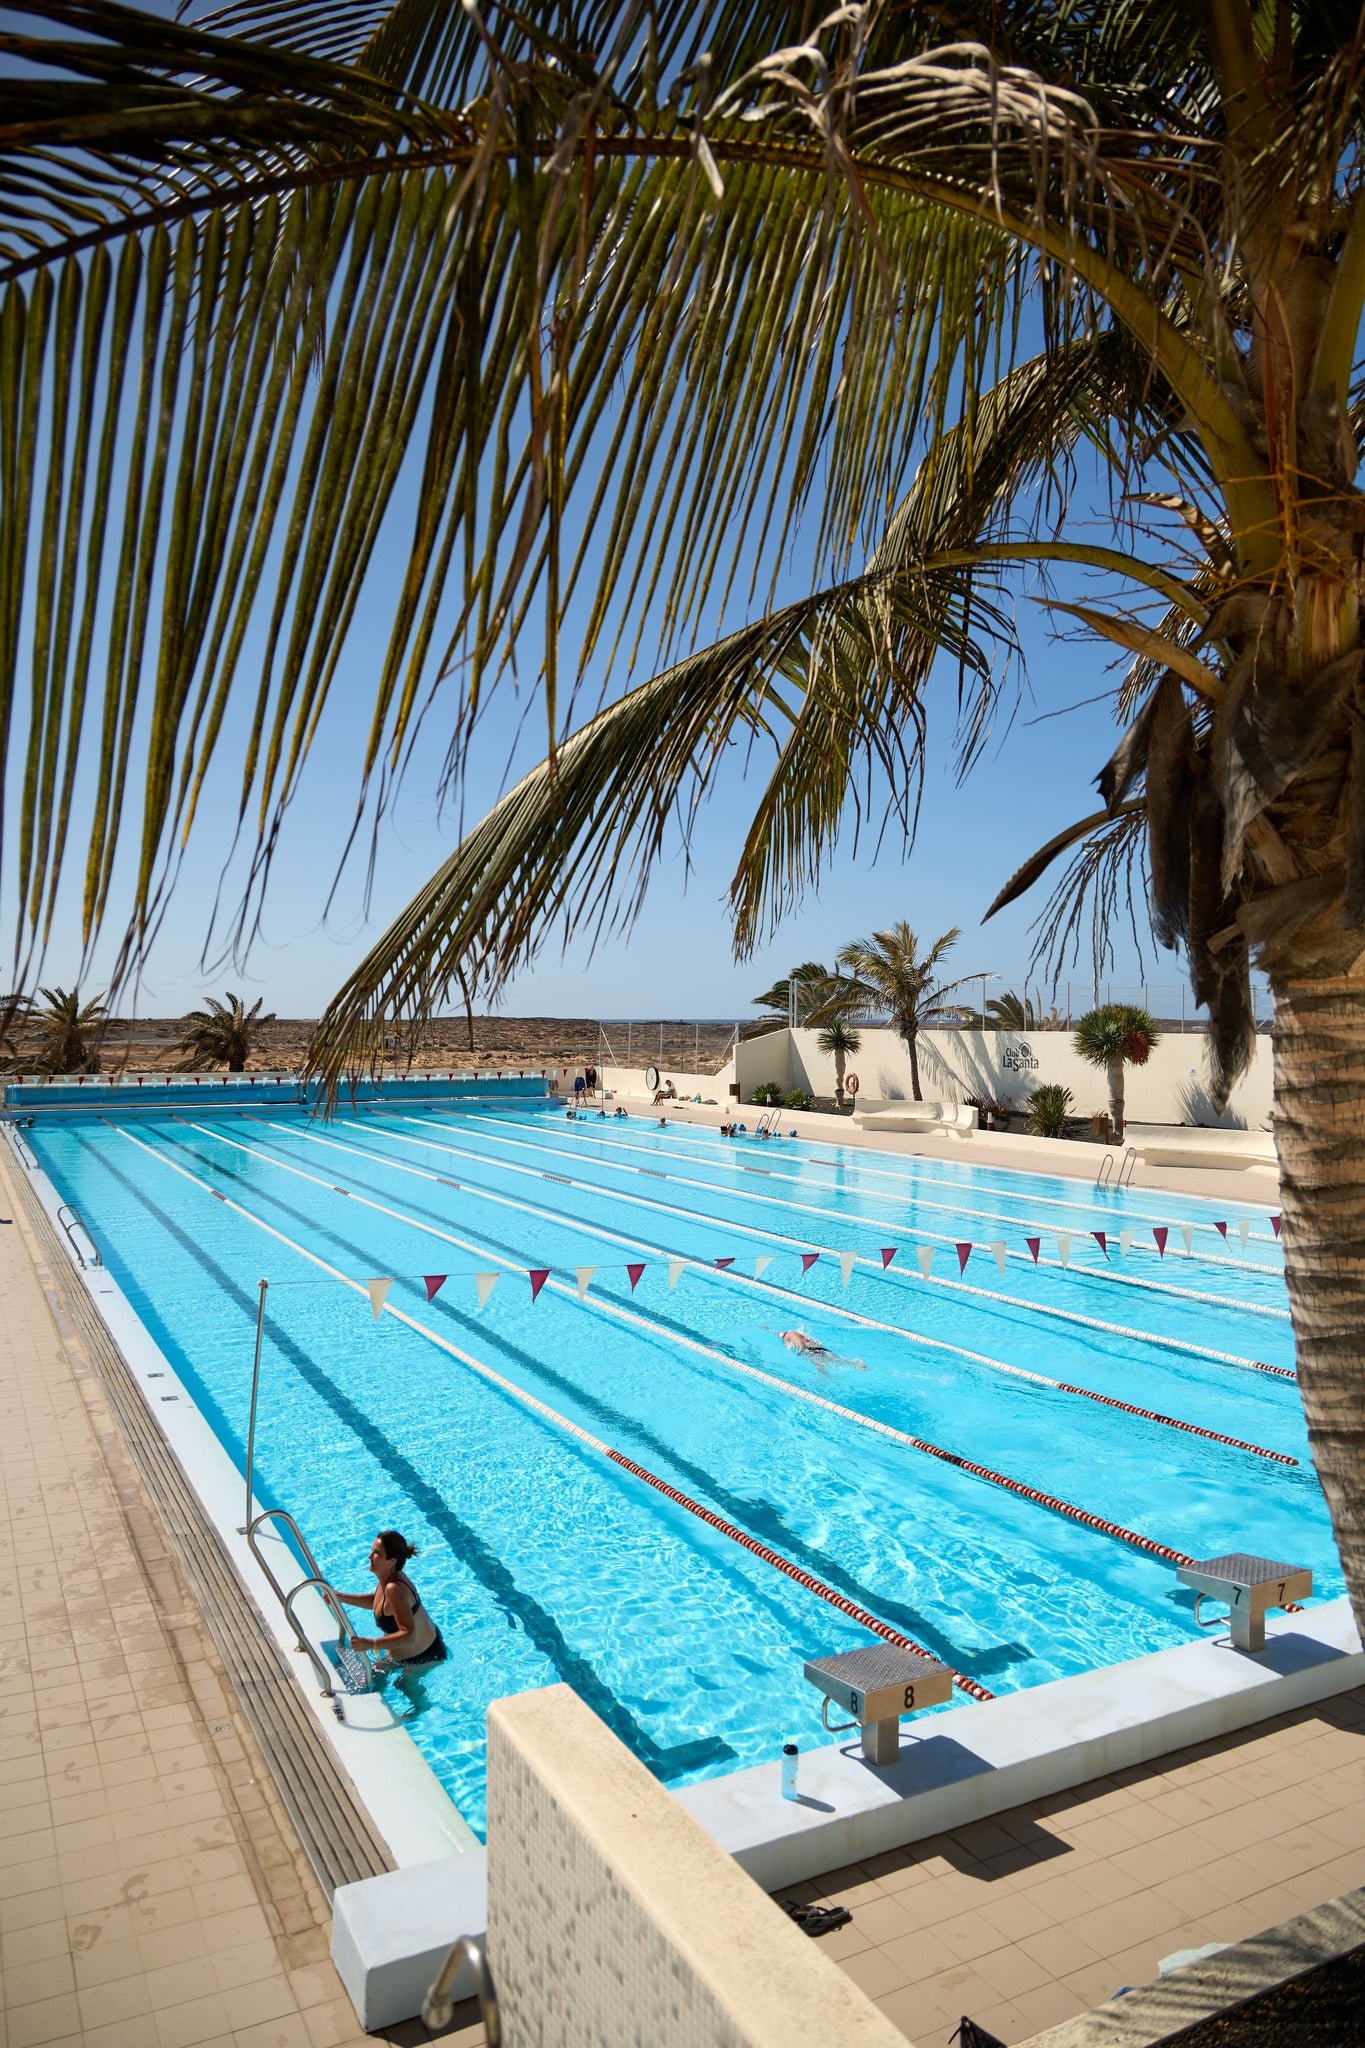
(850, 1084)
(651, 1078)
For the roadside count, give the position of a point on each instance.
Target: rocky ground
(149, 1045)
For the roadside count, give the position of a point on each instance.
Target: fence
(699, 1046)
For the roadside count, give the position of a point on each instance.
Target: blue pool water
(544, 1561)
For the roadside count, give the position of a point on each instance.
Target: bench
(1248, 1587)
(958, 1119)
(877, 1686)
(1178, 1145)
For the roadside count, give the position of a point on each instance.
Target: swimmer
(408, 1634)
(820, 1355)
(618, 1111)
(602, 1115)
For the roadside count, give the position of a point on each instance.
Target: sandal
(815, 1920)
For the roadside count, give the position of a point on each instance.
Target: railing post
(251, 1419)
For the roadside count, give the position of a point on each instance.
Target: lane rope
(1105, 1272)
(803, 1578)
(883, 1429)
(1179, 1344)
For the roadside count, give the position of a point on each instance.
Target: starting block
(877, 1686)
(1248, 1587)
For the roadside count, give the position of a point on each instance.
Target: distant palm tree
(840, 1038)
(816, 986)
(1011, 1012)
(886, 972)
(66, 1034)
(222, 1034)
(1115, 1036)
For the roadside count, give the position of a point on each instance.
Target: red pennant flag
(538, 1276)
(1035, 1245)
(808, 1259)
(1275, 1223)
(888, 1254)
(723, 1263)
(1101, 1240)
(1222, 1230)
(964, 1252)
(1161, 1233)
(434, 1283)
(634, 1272)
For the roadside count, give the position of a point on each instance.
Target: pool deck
(152, 1894)
(152, 1891)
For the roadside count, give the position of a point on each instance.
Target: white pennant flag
(847, 1261)
(583, 1274)
(761, 1264)
(676, 1269)
(378, 1291)
(1244, 1232)
(1187, 1232)
(1064, 1246)
(1125, 1240)
(997, 1252)
(485, 1282)
(925, 1254)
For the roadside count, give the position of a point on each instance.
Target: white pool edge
(408, 1807)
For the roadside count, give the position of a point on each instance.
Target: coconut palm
(222, 1034)
(816, 987)
(887, 972)
(616, 304)
(1116, 1036)
(1011, 1012)
(63, 1037)
(839, 1038)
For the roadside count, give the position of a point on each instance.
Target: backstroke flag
(888, 1254)
(1187, 1232)
(676, 1269)
(925, 1254)
(847, 1261)
(1125, 1243)
(583, 1275)
(1161, 1233)
(433, 1282)
(378, 1291)
(486, 1282)
(964, 1252)
(761, 1264)
(1244, 1232)
(1064, 1246)
(997, 1252)
(1035, 1245)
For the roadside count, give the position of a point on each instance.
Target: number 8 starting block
(877, 1686)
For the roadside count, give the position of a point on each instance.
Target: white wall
(1171, 1089)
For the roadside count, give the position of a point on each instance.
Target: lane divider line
(853, 1415)
(875, 1266)
(803, 1578)
(1106, 1273)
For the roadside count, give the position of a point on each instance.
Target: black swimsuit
(435, 1652)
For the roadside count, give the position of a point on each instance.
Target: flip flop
(815, 1920)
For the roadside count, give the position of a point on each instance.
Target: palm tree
(616, 304)
(816, 987)
(65, 1035)
(886, 972)
(839, 1038)
(1116, 1036)
(1011, 1012)
(222, 1034)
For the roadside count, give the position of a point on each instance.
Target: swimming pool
(543, 1558)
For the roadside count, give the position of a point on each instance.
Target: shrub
(1048, 1108)
(768, 1091)
(798, 1099)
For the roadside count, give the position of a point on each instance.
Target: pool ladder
(352, 1667)
(1107, 1178)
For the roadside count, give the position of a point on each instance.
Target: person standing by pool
(407, 1631)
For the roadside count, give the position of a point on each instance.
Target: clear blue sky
(1035, 776)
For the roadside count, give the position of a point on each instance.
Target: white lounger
(1179, 1145)
(955, 1118)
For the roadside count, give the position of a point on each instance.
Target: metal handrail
(1127, 1168)
(438, 2006)
(1102, 1178)
(70, 1209)
(318, 1584)
(21, 1146)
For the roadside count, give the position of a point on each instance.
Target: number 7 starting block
(1248, 1587)
(877, 1686)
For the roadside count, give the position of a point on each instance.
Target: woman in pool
(407, 1631)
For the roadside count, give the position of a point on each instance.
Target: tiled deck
(152, 1894)
(1048, 1910)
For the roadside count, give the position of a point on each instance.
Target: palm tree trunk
(1320, 1136)
(1116, 1097)
(839, 1080)
(912, 1046)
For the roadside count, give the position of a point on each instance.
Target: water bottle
(790, 1753)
